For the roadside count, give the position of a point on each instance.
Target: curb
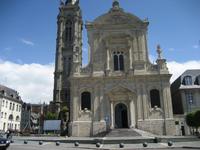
(190, 147)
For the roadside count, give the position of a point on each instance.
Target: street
(19, 145)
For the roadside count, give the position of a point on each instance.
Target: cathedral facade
(120, 87)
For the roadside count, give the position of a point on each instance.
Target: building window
(10, 106)
(155, 98)
(1, 114)
(13, 107)
(5, 116)
(187, 80)
(4, 126)
(189, 98)
(17, 118)
(86, 101)
(197, 81)
(3, 103)
(16, 107)
(6, 104)
(10, 117)
(118, 58)
(69, 31)
(19, 108)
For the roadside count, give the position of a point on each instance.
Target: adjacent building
(10, 108)
(33, 117)
(120, 87)
(185, 92)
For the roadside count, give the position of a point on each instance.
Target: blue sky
(28, 38)
(28, 27)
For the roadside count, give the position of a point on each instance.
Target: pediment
(118, 17)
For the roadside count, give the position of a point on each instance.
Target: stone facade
(119, 88)
(10, 109)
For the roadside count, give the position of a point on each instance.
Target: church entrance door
(121, 116)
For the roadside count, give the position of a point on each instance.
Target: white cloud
(176, 68)
(34, 82)
(195, 46)
(171, 49)
(152, 58)
(27, 42)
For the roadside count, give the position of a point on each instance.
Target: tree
(197, 120)
(51, 116)
(190, 120)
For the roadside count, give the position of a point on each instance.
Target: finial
(159, 51)
(68, 1)
(61, 2)
(115, 4)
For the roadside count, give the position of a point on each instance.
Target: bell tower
(68, 50)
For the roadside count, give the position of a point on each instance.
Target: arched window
(155, 98)
(187, 80)
(10, 117)
(17, 118)
(118, 61)
(86, 101)
(68, 31)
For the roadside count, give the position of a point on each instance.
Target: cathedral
(120, 87)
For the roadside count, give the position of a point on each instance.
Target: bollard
(40, 142)
(98, 145)
(76, 144)
(25, 142)
(170, 143)
(121, 145)
(145, 144)
(57, 143)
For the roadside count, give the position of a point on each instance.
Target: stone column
(96, 105)
(130, 55)
(139, 104)
(101, 104)
(169, 102)
(132, 113)
(144, 100)
(108, 59)
(76, 104)
(112, 114)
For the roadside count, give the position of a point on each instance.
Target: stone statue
(159, 51)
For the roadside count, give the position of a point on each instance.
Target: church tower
(68, 51)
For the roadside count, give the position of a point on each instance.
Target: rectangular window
(6, 104)
(10, 106)
(189, 97)
(13, 107)
(3, 103)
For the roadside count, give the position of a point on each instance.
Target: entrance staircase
(122, 133)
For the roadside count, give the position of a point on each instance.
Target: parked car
(4, 143)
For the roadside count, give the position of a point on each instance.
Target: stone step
(123, 133)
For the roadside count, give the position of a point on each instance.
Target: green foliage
(64, 109)
(197, 119)
(193, 120)
(51, 116)
(190, 119)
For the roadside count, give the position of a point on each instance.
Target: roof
(9, 93)
(192, 72)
